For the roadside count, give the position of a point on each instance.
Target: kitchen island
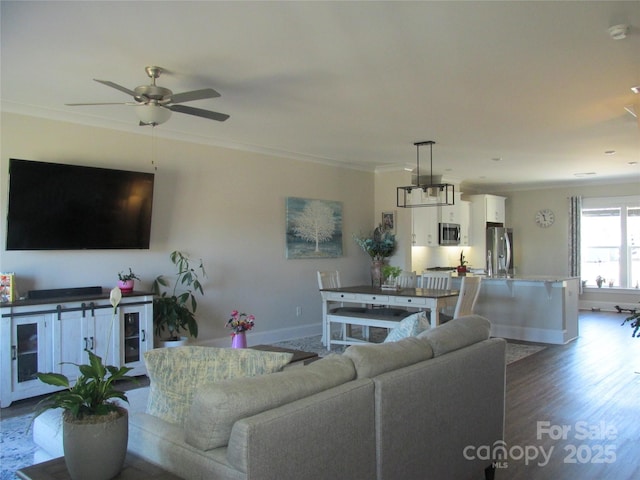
(540, 309)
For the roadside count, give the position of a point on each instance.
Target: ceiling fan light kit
(432, 194)
(618, 32)
(154, 104)
(152, 114)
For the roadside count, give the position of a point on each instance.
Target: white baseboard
(606, 306)
(528, 334)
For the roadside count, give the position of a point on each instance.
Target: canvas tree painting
(314, 228)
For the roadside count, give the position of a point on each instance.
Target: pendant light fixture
(431, 194)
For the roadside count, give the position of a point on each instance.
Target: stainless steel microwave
(449, 234)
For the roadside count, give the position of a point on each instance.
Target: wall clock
(545, 218)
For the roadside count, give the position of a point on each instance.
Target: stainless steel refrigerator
(499, 252)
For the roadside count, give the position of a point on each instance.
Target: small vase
(376, 273)
(239, 340)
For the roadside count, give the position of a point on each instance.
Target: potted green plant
(126, 281)
(634, 321)
(462, 266)
(174, 310)
(380, 245)
(94, 427)
(390, 275)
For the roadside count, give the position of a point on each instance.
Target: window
(610, 241)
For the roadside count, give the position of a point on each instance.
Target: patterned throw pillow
(176, 373)
(409, 327)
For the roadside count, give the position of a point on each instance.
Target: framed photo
(389, 221)
(314, 228)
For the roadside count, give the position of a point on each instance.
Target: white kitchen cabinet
(39, 337)
(425, 226)
(464, 215)
(494, 208)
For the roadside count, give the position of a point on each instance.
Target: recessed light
(632, 163)
(584, 174)
(497, 159)
(609, 152)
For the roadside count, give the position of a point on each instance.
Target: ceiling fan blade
(198, 112)
(194, 95)
(116, 86)
(103, 103)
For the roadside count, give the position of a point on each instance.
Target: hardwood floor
(588, 393)
(590, 384)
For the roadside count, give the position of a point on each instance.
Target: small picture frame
(389, 221)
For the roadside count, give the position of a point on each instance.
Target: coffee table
(298, 355)
(135, 468)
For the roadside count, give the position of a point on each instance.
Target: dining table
(415, 299)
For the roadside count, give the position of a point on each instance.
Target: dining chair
(469, 292)
(436, 280)
(331, 279)
(407, 280)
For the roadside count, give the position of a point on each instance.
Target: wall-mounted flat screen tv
(55, 206)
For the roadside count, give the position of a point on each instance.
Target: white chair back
(469, 291)
(436, 280)
(329, 279)
(406, 280)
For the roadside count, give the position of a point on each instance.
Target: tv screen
(54, 206)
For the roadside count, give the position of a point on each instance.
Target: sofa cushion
(409, 327)
(216, 407)
(373, 359)
(175, 374)
(457, 333)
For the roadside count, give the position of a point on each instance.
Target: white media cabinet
(50, 335)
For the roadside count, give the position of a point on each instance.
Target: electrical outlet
(298, 311)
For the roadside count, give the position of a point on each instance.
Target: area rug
(17, 447)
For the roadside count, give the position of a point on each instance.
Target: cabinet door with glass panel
(27, 342)
(136, 334)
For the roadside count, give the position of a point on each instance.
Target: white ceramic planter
(95, 450)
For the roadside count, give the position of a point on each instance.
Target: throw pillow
(176, 373)
(409, 327)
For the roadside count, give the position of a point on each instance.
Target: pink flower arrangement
(240, 322)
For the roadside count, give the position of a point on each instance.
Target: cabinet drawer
(341, 297)
(373, 298)
(409, 301)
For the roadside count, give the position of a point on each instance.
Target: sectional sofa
(416, 409)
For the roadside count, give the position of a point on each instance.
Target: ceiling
(515, 94)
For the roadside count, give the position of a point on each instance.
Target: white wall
(545, 251)
(225, 206)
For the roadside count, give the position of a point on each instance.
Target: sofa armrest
(328, 435)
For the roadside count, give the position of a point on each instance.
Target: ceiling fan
(154, 104)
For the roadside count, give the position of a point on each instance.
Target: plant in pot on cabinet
(174, 310)
(462, 267)
(126, 281)
(95, 428)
